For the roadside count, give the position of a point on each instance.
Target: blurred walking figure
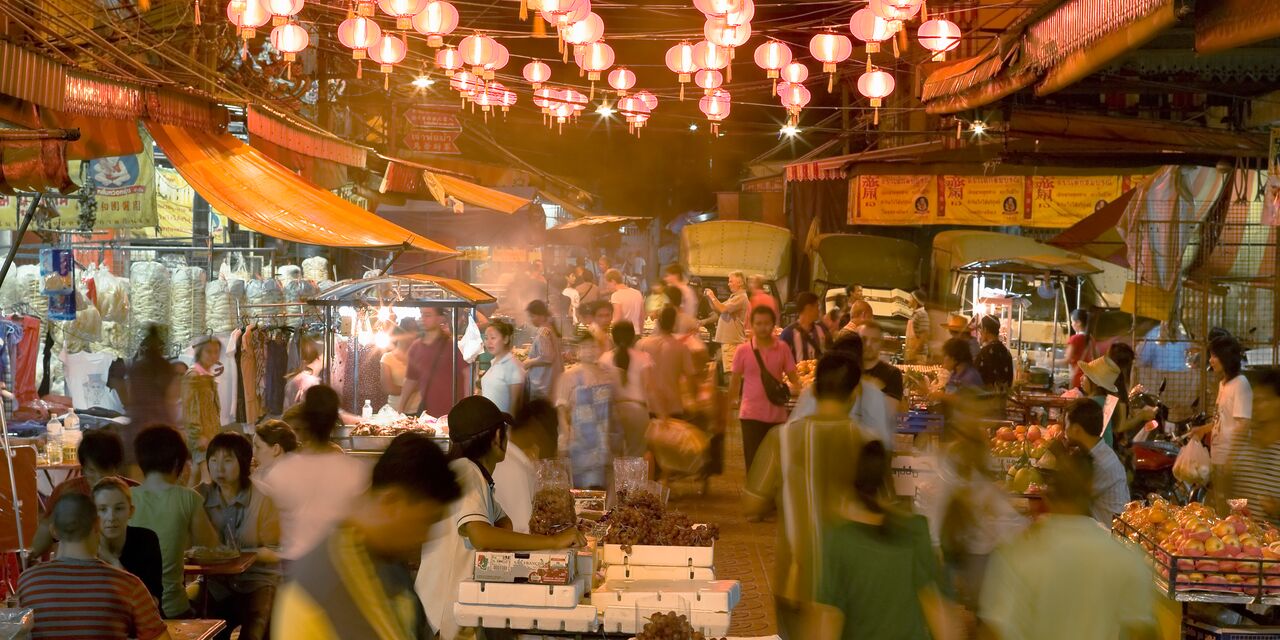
(584, 398)
(632, 373)
(763, 362)
(919, 331)
(546, 356)
(1068, 578)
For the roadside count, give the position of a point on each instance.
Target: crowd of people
(334, 539)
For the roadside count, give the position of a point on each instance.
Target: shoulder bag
(777, 393)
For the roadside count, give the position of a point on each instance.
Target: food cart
(363, 310)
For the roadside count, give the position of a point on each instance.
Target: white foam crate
(623, 620)
(699, 595)
(580, 619)
(656, 556)
(523, 595)
(642, 572)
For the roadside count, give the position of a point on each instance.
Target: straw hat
(957, 323)
(1103, 372)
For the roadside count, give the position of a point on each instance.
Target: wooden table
(232, 567)
(194, 629)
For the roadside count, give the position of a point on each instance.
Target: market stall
(357, 318)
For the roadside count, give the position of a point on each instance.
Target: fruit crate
(1195, 630)
(1226, 580)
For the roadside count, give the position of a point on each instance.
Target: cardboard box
(524, 595)
(655, 556)
(580, 619)
(535, 567)
(641, 572)
(622, 619)
(699, 595)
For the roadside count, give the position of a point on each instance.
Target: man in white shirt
(514, 479)
(478, 434)
(628, 303)
(675, 276)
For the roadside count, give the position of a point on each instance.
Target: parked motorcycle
(1156, 452)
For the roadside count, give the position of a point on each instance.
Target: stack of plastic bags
(187, 311)
(149, 290)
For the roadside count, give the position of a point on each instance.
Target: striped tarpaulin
(293, 137)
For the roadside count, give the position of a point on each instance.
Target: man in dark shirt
(885, 375)
(807, 338)
(994, 362)
(432, 358)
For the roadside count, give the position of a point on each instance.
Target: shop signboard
(432, 141)
(125, 191)
(1061, 201)
(894, 200)
(435, 116)
(992, 200)
(433, 129)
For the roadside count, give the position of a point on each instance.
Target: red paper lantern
(831, 49)
(772, 56)
(477, 51)
(876, 85)
(282, 10)
(708, 79)
(795, 72)
(247, 16)
(358, 34)
(622, 80)
(709, 56)
(939, 36)
(290, 39)
(648, 98)
(794, 97)
(536, 73)
(716, 107)
(402, 10)
(721, 33)
(501, 56)
(870, 28)
(465, 83)
(437, 20)
(584, 32)
(717, 7)
(449, 60)
(597, 57)
(896, 11)
(388, 51)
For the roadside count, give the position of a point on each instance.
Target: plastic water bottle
(366, 413)
(53, 444)
(71, 439)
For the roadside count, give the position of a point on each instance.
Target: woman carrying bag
(759, 368)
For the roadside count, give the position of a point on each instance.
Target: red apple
(1274, 584)
(1230, 545)
(1194, 548)
(1197, 529)
(1187, 564)
(1033, 434)
(1213, 546)
(1240, 524)
(1227, 565)
(1207, 566)
(1223, 529)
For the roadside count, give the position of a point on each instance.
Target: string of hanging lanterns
(473, 64)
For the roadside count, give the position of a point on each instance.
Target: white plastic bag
(1192, 465)
(471, 344)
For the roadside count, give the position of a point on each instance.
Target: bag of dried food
(553, 498)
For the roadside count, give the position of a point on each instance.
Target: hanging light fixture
(772, 56)
(622, 80)
(282, 10)
(290, 39)
(896, 11)
(388, 51)
(402, 10)
(596, 58)
(501, 56)
(709, 56)
(648, 98)
(876, 85)
(939, 36)
(708, 79)
(716, 107)
(721, 33)
(831, 49)
(795, 72)
(449, 60)
(358, 34)
(247, 16)
(583, 32)
(536, 73)
(870, 28)
(477, 51)
(437, 20)
(680, 62)
(711, 8)
(794, 97)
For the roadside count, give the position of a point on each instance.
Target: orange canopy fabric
(263, 195)
(443, 186)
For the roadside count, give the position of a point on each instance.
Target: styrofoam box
(523, 595)
(700, 595)
(642, 572)
(580, 619)
(660, 556)
(586, 564)
(622, 619)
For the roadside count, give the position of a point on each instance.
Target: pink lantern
(577, 100)
(622, 80)
(772, 56)
(716, 107)
(290, 39)
(563, 13)
(717, 7)
(939, 36)
(723, 34)
(680, 62)
(477, 51)
(596, 58)
(509, 99)
(876, 85)
(500, 59)
(648, 98)
(831, 49)
(282, 10)
(708, 79)
(358, 34)
(465, 83)
(870, 28)
(794, 97)
(388, 51)
(402, 10)
(247, 16)
(710, 56)
(449, 60)
(795, 72)
(542, 99)
(536, 73)
(635, 111)
(896, 11)
(436, 21)
(584, 32)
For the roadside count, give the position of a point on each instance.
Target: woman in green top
(881, 570)
(175, 512)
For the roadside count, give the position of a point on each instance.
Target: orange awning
(262, 195)
(443, 187)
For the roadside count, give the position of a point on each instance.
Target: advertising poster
(893, 200)
(983, 200)
(1061, 201)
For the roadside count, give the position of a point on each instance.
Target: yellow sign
(894, 200)
(997, 201)
(1061, 201)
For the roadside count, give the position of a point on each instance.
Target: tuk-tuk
(887, 269)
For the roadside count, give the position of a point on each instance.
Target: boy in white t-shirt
(478, 442)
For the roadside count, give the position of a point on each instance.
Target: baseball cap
(475, 416)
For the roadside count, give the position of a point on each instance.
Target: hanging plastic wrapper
(553, 507)
(57, 281)
(471, 344)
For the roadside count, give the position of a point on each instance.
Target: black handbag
(777, 393)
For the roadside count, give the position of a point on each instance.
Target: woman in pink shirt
(757, 413)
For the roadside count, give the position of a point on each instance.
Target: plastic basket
(916, 422)
(1193, 630)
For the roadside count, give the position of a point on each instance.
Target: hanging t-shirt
(86, 378)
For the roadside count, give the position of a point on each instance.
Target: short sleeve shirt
(449, 557)
(630, 305)
(168, 512)
(1235, 404)
(496, 382)
(429, 366)
(778, 361)
(995, 364)
(731, 327)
